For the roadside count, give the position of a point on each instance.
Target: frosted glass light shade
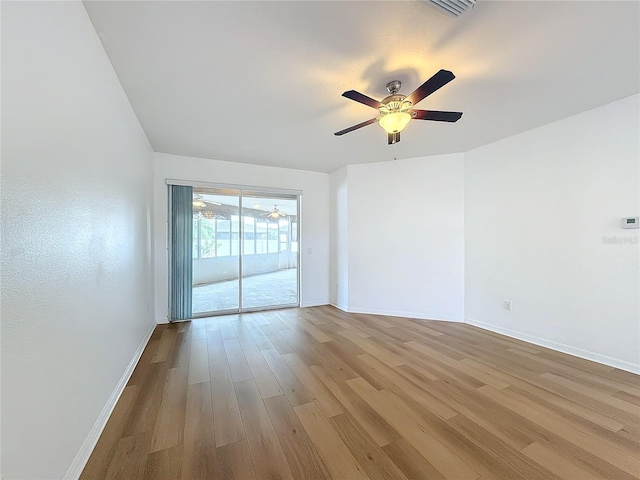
(394, 122)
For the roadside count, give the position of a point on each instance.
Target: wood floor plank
(490, 456)
(554, 462)
(377, 428)
(198, 362)
(98, 464)
(277, 340)
(266, 453)
(345, 352)
(262, 374)
(211, 324)
(315, 332)
(276, 322)
(367, 453)
(198, 330)
(410, 462)
(199, 446)
(477, 447)
(259, 337)
(586, 400)
(233, 461)
(491, 416)
(226, 413)
(576, 422)
(226, 329)
(164, 464)
(130, 457)
(215, 348)
(417, 375)
(165, 347)
(144, 413)
(332, 450)
(303, 458)
(376, 351)
(320, 393)
(293, 389)
(422, 396)
(142, 368)
(565, 407)
(181, 354)
(243, 334)
(260, 318)
(169, 428)
(598, 395)
(237, 362)
(628, 397)
(589, 443)
(427, 445)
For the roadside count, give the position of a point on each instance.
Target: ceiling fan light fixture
(394, 122)
(396, 109)
(199, 204)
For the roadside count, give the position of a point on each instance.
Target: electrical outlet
(308, 251)
(508, 305)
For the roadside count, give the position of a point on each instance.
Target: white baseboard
(400, 313)
(313, 303)
(340, 306)
(561, 347)
(89, 444)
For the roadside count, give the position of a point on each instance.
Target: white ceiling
(261, 82)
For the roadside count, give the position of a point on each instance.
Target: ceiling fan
(274, 214)
(396, 109)
(199, 202)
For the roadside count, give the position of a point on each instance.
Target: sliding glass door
(245, 251)
(270, 251)
(216, 246)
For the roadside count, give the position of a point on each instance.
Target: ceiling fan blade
(355, 127)
(393, 138)
(436, 115)
(211, 202)
(362, 98)
(439, 80)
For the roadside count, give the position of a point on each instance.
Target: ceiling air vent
(457, 7)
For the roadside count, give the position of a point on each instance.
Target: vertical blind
(181, 251)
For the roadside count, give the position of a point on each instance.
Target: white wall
(314, 219)
(340, 239)
(540, 208)
(76, 223)
(406, 237)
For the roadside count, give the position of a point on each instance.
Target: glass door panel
(270, 260)
(216, 247)
(245, 251)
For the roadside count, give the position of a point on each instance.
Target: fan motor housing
(394, 103)
(396, 98)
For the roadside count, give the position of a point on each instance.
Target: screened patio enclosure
(245, 250)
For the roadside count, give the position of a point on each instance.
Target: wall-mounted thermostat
(631, 222)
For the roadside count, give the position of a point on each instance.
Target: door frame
(240, 188)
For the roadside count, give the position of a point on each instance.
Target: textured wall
(542, 218)
(406, 237)
(76, 224)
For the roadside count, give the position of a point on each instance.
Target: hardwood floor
(317, 393)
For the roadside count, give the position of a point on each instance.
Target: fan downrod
(394, 86)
